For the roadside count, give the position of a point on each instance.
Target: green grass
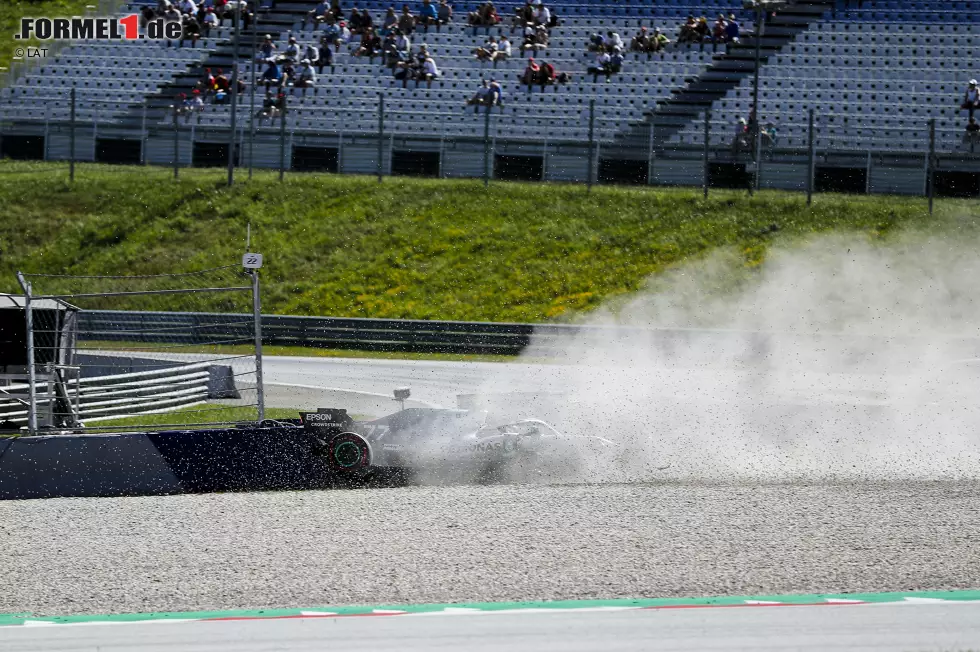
(197, 414)
(408, 248)
(11, 11)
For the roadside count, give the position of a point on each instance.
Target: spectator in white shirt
(600, 66)
(188, 7)
(971, 99)
(503, 50)
(210, 21)
(430, 71)
(305, 76)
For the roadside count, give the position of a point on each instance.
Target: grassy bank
(407, 248)
(197, 415)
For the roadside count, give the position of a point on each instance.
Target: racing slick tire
(348, 454)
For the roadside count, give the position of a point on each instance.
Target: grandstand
(875, 73)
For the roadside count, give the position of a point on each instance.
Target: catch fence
(80, 373)
(810, 150)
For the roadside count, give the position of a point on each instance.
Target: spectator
(614, 42)
(272, 76)
(596, 43)
(481, 97)
(428, 14)
(972, 135)
(187, 7)
(641, 42)
(332, 31)
(530, 74)
(702, 29)
(503, 50)
(370, 45)
(221, 82)
(403, 46)
(688, 32)
(367, 23)
(606, 64)
(210, 21)
(523, 16)
(305, 77)
(267, 50)
(354, 22)
(542, 16)
(326, 57)
(535, 38)
(659, 40)
(496, 93)
(547, 75)
(429, 71)
(407, 22)
(484, 16)
(770, 137)
(146, 15)
(343, 33)
(741, 140)
(390, 22)
(312, 53)
(486, 51)
(270, 107)
(731, 29)
(319, 13)
(292, 49)
(718, 30)
(288, 73)
(196, 102)
(190, 30)
(971, 99)
(445, 13)
(172, 14)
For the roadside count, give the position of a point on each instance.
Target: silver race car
(451, 445)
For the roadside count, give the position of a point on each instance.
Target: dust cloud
(838, 358)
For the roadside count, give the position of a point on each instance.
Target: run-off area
(466, 544)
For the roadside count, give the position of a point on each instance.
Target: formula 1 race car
(451, 445)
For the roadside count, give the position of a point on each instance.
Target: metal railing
(107, 397)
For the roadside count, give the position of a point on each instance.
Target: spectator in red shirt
(530, 74)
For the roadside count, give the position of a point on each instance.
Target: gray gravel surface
(452, 544)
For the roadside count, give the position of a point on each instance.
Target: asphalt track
(920, 627)
(440, 382)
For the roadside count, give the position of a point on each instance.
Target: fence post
(31, 379)
(71, 136)
(591, 145)
(651, 156)
(931, 178)
(234, 93)
(381, 136)
(251, 95)
(143, 137)
(811, 161)
(486, 147)
(257, 320)
(282, 137)
(176, 146)
(707, 136)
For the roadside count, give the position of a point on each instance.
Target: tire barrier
(133, 464)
